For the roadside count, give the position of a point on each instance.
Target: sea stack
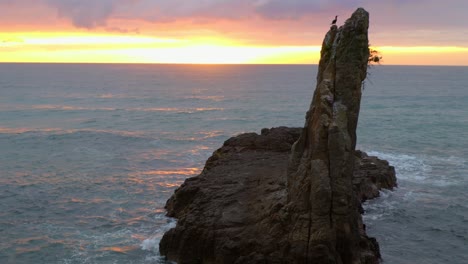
(321, 203)
(289, 195)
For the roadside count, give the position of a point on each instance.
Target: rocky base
(235, 210)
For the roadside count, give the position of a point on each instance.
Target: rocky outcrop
(371, 175)
(323, 205)
(233, 212)
(289, 195)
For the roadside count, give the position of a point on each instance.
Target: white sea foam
(421, 168)
(406, 166)
(152, 243)
(381, 207)
(414, 169)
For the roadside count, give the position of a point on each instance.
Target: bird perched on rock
(334, 21)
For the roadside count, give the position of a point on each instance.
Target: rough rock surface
(233, 212)
(372, 174)
(289, 195)
(321, 201)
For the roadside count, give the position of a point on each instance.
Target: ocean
(89, 153)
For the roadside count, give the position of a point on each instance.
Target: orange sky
(223, 31)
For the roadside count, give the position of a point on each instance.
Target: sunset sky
(417, 32)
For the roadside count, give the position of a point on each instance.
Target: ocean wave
(179, 171)
(175, 109)
(52, 107)
(62, 131)
(214, 98)
(424, 169)
(152, 243)
(406, 166)
(90, 96)
(381, 207)
(195, 135)
(111, 96)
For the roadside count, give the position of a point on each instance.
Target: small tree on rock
(374, 56)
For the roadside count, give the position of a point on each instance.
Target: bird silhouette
(334, 21)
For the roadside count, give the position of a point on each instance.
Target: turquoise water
(90, 153)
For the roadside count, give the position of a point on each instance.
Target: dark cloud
(95, 13)
(85, 13)
(294, 9)
(123, 30)
(295, 20)
(171, 10)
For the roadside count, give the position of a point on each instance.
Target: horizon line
(220, 64)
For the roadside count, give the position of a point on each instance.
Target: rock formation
(324, 208)
(289, 195)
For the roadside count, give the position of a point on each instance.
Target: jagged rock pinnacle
(324, 209)
(255, 202)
